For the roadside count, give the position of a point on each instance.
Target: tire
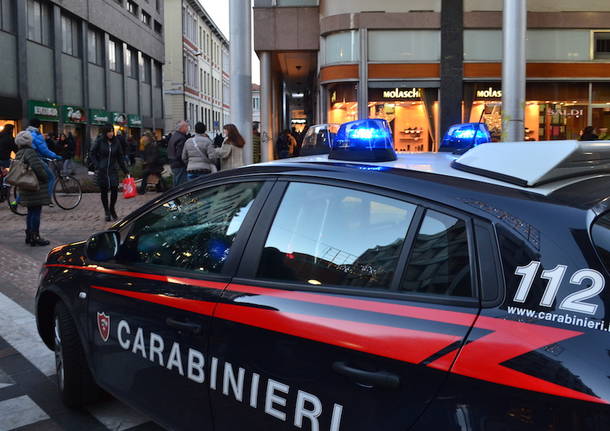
(67, 192)
(13, 202)
(74, 380)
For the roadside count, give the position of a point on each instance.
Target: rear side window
(600, 232)
(324, 235)
(439, 262)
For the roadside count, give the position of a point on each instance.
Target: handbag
(22, 176)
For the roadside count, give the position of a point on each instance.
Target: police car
(358, 290)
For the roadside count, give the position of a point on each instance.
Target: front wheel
(13, 202)
(67, 192)
(74, 380)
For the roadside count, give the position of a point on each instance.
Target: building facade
(425, 64)
(197, 68)
(256, 106)
(79, 64)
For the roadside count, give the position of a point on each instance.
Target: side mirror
(103, 246)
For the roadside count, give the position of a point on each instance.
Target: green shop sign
(73, 114)
(44, 111)
(99, 117)
(119, 118)
(134, 121)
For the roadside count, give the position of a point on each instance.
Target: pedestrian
(231, 153)
(588, 134)
(282, 145)
(153, 164)
(132, 149)
(106, 154)
(43, 151)
(198, 153)
(67, 149)
(7, 145)
(174, 153)
(33, 200)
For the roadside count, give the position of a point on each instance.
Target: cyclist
(40, 145)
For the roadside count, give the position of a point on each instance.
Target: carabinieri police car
(357, 290)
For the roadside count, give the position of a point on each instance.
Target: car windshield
(600, 233)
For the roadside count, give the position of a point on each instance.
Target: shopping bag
(129, 188)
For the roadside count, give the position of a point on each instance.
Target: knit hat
(23, 139)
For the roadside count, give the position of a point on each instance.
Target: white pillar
(513, 70)
(266, 107)
(240, 12)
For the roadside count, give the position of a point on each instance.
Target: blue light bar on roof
(462, 137)
(364, 141)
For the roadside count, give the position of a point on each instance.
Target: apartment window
(131, 63)
(158, 74)
(114, 56)
(158, 27)
(145, 18)
(39, 22)
(158, 5)
(7, 15)
(132, 7)
(200, 86)
(95, 47)
(70, 32)
(602, 45)
(145, 71)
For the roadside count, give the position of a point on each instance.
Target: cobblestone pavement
(28, 398)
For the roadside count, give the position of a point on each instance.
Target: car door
(345, 297)
(150, 308)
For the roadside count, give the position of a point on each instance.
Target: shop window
(324, 235)
(95, 47)
(70, 33)
(7, 15)
(343, 103)
(39, 22)
(342, 47)
(602, 45)
(404, 45)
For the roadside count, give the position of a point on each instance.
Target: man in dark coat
(7, 145)
(174, 153)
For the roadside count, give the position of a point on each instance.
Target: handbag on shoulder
(22, 176)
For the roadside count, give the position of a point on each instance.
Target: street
(28, 395)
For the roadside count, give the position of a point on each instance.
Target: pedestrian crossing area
(29, 400)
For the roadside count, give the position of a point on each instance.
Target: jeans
(192, 175)
(51, 178)
(68, 167)
(179, 176)
(32, 221)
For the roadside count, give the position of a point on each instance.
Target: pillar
(266, 107)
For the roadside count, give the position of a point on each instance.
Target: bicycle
(67, 192)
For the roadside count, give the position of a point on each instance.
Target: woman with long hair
(231, 153)
(106, 154)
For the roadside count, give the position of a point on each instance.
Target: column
(22, 60)
(240, 12)
(266, 128)
(363, 86)
(452, 64)
(513, 70)
(57, 52)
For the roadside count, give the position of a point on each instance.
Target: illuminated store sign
(489, 93)
(407, 93)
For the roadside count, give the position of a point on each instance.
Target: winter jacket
(40, 144)
(174, 150)
(41, 197)
(106, 155)
(231, 157)
(7, 144)
(152, 158)
(198, 154)
(67, 147)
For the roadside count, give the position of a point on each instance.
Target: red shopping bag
(129, 188)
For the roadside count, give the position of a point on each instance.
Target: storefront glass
(343, 105)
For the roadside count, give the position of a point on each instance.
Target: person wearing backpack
(198, 153)
(33, 200)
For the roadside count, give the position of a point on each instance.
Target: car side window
(193, 232)
(325, 235)
(439, 262)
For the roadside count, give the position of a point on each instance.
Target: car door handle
(195, 328)
(376, 379)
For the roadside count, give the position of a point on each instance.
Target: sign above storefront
(402, 93)
(44, 111)
(73, 114)
(489, 93)
(99, 117)
(119, 118)
(134, 121)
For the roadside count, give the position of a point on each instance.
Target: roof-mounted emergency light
(364, 141)
(462, 137)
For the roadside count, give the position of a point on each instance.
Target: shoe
(51, 205)
(28, 236)
(37, 240)
(108, 216)
(113, 214)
